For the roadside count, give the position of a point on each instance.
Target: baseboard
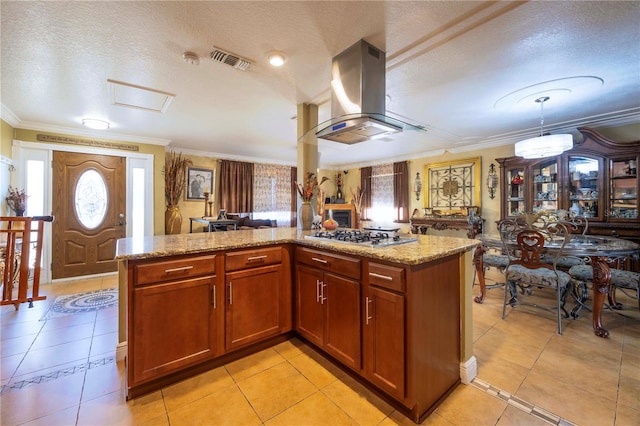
(468, 370)
(121, 351)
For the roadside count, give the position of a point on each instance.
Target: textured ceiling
(467, 71)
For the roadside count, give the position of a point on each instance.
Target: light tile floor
(63, 372)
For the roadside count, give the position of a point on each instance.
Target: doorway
(89, 206)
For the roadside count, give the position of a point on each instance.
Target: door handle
(121, 219)
(366, 306)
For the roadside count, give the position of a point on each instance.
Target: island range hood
(358, 96)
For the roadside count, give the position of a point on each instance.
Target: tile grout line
(520, 404)
(78, 368)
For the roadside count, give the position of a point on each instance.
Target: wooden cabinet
(255, 288)
(172, 312)
(328, 303)
(384, 328)
(597, 179)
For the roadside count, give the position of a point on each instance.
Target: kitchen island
(397, 318)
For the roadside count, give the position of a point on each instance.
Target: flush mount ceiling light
(191, 58)
(543, 145)
(277, 59)
(93, 123)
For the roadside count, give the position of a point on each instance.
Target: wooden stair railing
(16, 248)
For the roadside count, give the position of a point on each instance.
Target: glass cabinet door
(584, 187)
(624, 189)
(515, 191)
(545, 186)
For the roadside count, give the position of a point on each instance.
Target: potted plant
(175, 176)
(17, 200)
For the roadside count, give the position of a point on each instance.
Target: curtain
(236, 186)
(365, 185)
(401, 191)
(294, 197)
(272, 193)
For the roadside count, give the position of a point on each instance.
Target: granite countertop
(426, 248)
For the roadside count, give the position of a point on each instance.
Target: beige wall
(158, 164)
(196, 208)
(6, 136)
(490, 209)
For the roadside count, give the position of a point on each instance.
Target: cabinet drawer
(187, 267)
(331, 262)
(253, 258)
(386, 276)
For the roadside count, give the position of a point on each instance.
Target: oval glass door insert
(91, 199)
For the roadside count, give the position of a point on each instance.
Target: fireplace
(344, 214)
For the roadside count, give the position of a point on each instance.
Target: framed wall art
(453, 187)
(199, 181)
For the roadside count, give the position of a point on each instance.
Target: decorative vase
(330, 224)
(306, 215)
(339, 194)
(172, 220)
(19, 212)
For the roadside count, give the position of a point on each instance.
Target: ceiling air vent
(227, 58)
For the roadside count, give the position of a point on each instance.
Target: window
(382, 210)
(272, 193)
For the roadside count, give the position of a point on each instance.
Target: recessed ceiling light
(93, 123)
(277, 59)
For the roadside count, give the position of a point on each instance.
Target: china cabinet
(596, 179)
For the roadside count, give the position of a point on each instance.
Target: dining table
(598, 250)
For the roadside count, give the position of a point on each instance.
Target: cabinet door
(309, 312)
(624, 201)
(252, 305)
(515, 188)
(585, 191)
(384, 340)
(545, 186)
(341, 299)
(173, 326)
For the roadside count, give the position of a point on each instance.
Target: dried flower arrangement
(175, 176)
(17, 200)
(357, 198)
(309, 187)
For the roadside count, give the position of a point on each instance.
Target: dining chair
(574, 224)
(620, 279)
(524, 244)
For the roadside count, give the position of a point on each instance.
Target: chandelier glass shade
(543, 145)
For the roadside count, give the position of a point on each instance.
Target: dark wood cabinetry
(395, 327)
(328, 301)
(173, 320)
(254, 295)
(597, 179)
(384, 326)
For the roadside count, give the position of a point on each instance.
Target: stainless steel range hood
(358, 97)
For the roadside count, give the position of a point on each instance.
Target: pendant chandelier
(543, 145)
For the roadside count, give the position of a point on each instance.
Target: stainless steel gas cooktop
(356, 236)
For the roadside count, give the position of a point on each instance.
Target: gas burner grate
(357, 236)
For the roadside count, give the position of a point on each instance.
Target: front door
(89, 209)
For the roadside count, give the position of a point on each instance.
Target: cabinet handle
(230, 293)
(366, 309)
(322, 295)
(317, 291)
(184, 268)
(382, 277)
(256, 258)
(319, 260)
(213, 296)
